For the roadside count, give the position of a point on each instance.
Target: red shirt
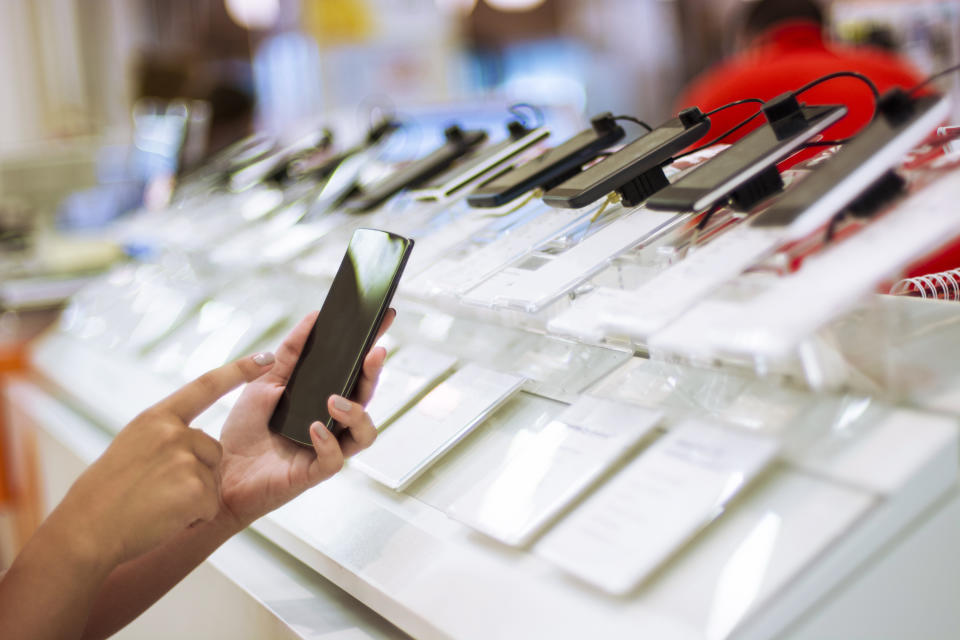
(783, 59)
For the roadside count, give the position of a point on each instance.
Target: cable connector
(896, 105)
(784, 115)
(691, 116)
(603, 123)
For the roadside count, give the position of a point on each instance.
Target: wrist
(79, 551)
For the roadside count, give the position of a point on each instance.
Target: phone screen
(646, 152)
(332, 357)
(545, 168)
(732, 167)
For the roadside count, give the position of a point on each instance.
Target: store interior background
(75, 70)
(77, 74)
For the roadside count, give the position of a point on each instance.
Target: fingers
(329, 458)
(207, 449)
(360, 432)
(372, 366)
(193, 398)
(289, 351)
(386, 323)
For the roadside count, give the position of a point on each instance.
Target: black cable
(516, 107)
(634, 120)
(717, 139)
(931, 78)
(840, 74)
(725, 133)
(826, 143)
(702, 224)
(734, 104)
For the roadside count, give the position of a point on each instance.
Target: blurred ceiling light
(254, 14)
(456, 6)
(514, 5)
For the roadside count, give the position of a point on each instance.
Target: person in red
(787, 49)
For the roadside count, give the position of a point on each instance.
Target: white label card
(657, 502)
(405, 376)
(534, 283)
(639, 312)
(441, 419)
(455, 276)
(547, 469)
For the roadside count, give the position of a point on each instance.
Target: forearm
(134, 586)
(49, 589)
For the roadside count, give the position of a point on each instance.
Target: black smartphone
(648, 152)
(747, 158)
(458, 143)
(480, 162)
(332, 358)
(836, 183)
(550, 168)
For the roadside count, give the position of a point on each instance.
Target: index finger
(195, 397)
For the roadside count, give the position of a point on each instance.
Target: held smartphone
(754, 153)
(550, 168)
(458, 143)
(836, 183)
(344, 331)
(647, 152)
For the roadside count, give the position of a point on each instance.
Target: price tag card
(430, 246)
(655, 504)
(541, 278)
(431, 427)
(454, 275)
(300, 238)
(550, 467)
(405, 377)
(639, 312)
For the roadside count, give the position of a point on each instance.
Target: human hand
(158, 476)
(261, 470)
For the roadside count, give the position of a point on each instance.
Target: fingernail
(263, 359)
(342, 403)
(320, 430)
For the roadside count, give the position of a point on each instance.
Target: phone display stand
(831, 445)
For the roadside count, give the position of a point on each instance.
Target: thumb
(195, 397)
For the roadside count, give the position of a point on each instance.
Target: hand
(261, 470)
(157, 477)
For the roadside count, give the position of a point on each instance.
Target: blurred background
(91, 88)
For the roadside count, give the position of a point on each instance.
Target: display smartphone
(344, 331)
(480, 162)
(647, 153)
(550, 168)
(458, 143)
(749, 157)
(858, 165)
